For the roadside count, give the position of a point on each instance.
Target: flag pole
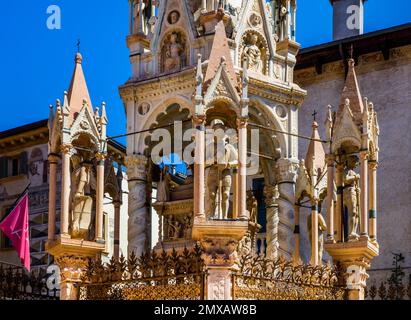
(17, 201)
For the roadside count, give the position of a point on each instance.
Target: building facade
(24, 162)
(383, 70)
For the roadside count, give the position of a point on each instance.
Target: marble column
(271, 197)
(286, 172)
(296, 256)
(314, 233)
(117, 228)
(235, 194)
(53, 162)
(330, 198)
(364, 194)
(138, 208)
(294, 20)
(199, 167)
(339, 211)
(65, 189)
(203, 5)
(100, 199)
(242, 170)
(373, 165)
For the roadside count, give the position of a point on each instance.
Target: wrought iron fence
(17, 284)
(260, 278)
(153, 276)
(388, 291)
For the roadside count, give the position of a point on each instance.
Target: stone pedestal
(71, 255)
(219, 240)
(355, 258)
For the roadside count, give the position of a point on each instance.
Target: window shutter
(4, 167)
(23, 164)
(45, 171)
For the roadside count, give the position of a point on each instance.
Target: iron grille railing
(18, 284)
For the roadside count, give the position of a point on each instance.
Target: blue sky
(37, 63)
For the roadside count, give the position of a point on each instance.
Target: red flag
(16, 228)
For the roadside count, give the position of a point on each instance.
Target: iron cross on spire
(315, 115)
(78, 46)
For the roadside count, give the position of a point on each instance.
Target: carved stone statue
(219, 174)
(173, 227)
(253, 54)
(141, 15)
(252, 206)
(174, 51)
(351, 196)
(81, 202)
(322, 226)
(163, 190)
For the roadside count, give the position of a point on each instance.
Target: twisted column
(271, 197)
(199, 167)
(138, 209)
(286, 172)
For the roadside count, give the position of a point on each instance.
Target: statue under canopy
(351, 197)
(221, 158)
(80, 198)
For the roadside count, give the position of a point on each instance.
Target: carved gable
(254, 16)
(346, 131)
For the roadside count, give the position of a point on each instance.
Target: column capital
(373, 164)
(67, 149)
(53, 158)
(199, 119)
(101, 156)
(330, 159)
(364, 154)
(271, 194)
(137, 166)
(242, 123)
(286, 170)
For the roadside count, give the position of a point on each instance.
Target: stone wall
(388, 85)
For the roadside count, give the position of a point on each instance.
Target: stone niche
(174, 52)
(176, 224)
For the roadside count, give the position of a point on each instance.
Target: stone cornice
(158, 86)
(25, 140)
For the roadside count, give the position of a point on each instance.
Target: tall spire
(352, 92)
(78, 91)
(315, 158)
(220, 49)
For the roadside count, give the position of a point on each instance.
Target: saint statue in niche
(352, 196)
(252, 53)
(174, 53)
(81, 201)
(220, 159)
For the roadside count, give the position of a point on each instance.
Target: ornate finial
(79, 58)
(223, 59)
(347, 102)
(58, 104)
